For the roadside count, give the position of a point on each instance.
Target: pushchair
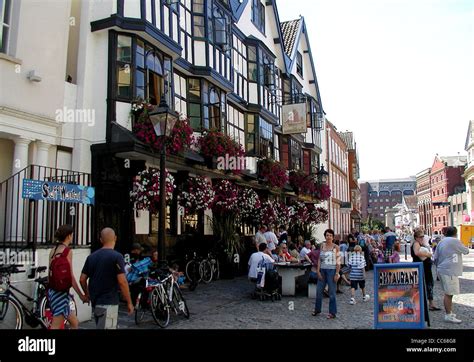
(268, 282)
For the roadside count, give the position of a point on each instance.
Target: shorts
(105, 316)
(59, 302)
(449, 284)
(354, 284)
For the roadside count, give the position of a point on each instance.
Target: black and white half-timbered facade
(226, 64)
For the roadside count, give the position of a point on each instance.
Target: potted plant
(214, 144)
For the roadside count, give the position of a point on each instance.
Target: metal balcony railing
(25, 223)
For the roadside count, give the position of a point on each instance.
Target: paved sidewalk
(225, 304)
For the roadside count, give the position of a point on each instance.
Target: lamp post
(163, 120)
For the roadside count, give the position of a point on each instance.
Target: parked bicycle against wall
(165, 297)
(198, 269)
(14, 313)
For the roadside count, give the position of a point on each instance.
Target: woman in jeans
(328, 273)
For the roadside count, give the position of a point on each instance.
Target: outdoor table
(289, 272)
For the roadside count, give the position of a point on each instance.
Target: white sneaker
(451, 318)
(352, 301)
(366, 298)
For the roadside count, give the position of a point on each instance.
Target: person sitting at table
(292, 249)
(313, 258)
(286, 255)
(256, 258)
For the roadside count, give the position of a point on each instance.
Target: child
(357, 274)
(395, 257)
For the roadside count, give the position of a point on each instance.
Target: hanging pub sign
(54, 191)
(294, 118)
(399, 296)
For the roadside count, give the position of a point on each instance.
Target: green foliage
(224, 227)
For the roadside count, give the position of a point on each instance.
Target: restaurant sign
(54, 191)
(294, 118)
(399, 296)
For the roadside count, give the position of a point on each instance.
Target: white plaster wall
(122, 114)
(199, 53)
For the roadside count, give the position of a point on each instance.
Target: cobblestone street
(226, 304)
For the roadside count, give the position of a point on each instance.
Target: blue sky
(398, 73)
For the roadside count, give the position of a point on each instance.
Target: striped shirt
(357, 264)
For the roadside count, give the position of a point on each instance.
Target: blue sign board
(399, 296)
(54, 191)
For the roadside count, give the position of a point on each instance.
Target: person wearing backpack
(61, 279)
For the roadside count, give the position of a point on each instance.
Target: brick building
(446, 179)
(377, 196)
(423, 194)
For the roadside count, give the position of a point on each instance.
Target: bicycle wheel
(179, 302)
(139, 310)
(205, 271)
(192, 271)
(47, 315)
(11, 314)
(159, 308)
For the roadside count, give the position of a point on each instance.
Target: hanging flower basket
(181, 136)
(146, 190)
(302, 183)
(197, 195)
(214, 144)
(274, 173)
(249, 204)
(226, 198)
(322, 192)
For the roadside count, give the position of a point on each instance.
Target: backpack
(60, 278)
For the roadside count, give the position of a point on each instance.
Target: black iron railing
(26, 223)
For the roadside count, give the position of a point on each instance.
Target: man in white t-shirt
(256, 258)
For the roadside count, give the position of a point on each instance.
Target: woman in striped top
(357, 274)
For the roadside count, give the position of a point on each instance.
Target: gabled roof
(348, 138)
(290, 31)
(411, 202)
(454, 161)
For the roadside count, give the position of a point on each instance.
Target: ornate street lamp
(323, 176)
(163, 120)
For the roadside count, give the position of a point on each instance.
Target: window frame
(6, 26)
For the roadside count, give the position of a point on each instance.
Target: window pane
(194, 90)
(123, 81)
(140, 84)
(140, 54)
(124, 48)
(6, 16)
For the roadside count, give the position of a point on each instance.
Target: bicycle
(214, 265)
(141, 305)
(13, 313)
(165, 296)
(198, 269)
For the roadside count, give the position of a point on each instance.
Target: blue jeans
(328, 278)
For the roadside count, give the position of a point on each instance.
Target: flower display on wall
(323, 192)
(197, 195)
(317, 215)
(302, 183)
(283, 213)
(268, 213)
(272, 172)
(181, 136)
(146, 190)
(216, 144)
(299, 213)
(226, 197)
(249, 203)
